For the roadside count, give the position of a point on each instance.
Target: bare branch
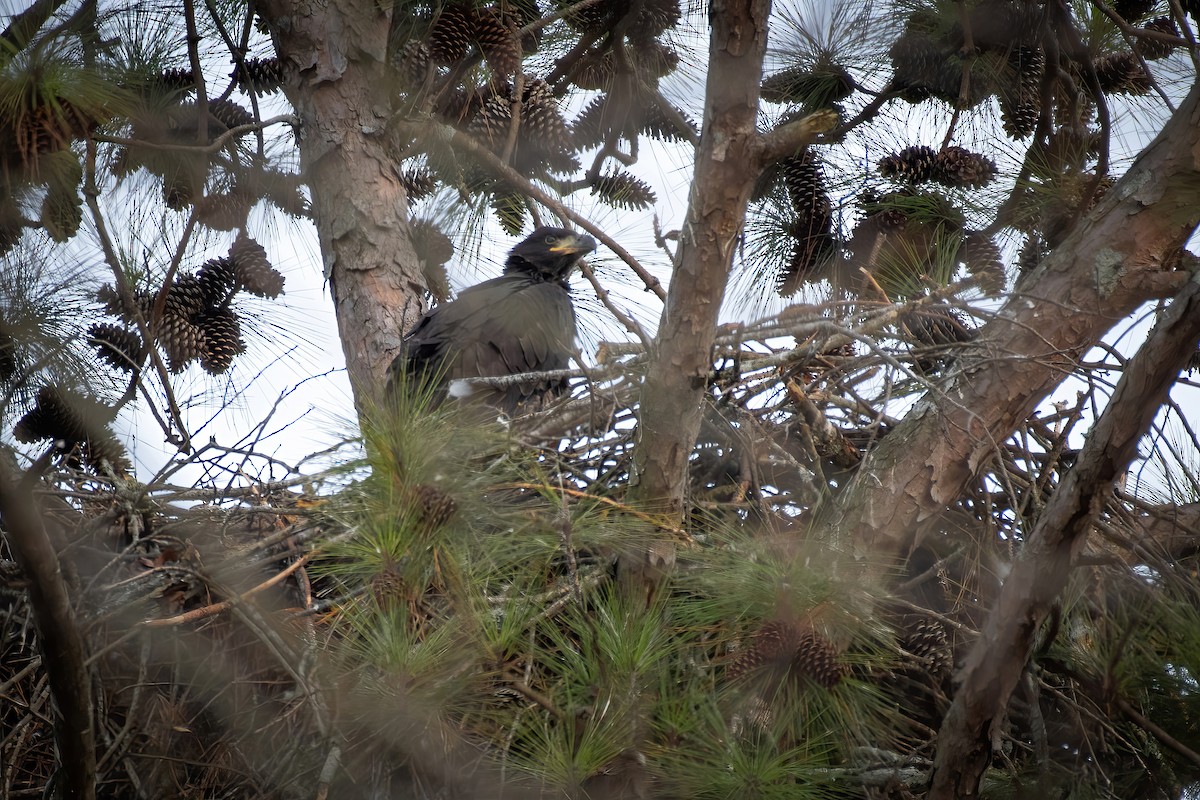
(997, 661)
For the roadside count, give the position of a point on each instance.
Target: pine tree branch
(91, 193)
(997, 661)
(430, 130)
(21, 30)
(204, 149)
(1122, 255)
(673, 393)
(1157, 731)
(788, 140)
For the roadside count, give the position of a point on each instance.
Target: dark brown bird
(522, 321)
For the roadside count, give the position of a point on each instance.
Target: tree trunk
(997, 660)
(673, 392)
(1121, 256)
(339, 88)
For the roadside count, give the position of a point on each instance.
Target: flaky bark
(997, 660)
(1170, 531)
(672, 395)
(1121, 256)
(340, 92)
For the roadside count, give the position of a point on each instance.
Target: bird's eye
(551, 240)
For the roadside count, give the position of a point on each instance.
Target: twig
(622, 507)
(212, 147)
(223, 605)
(455, 138)
(91, 194)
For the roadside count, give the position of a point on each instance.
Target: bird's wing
(503, 326)
(525, 327)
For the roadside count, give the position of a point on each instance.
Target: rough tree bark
(672, 393)
(64, 655)
(997, 660)
(338, 56)
(1122, 255)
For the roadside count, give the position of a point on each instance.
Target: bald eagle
(522, 321)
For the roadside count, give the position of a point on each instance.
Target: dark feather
(521, 322)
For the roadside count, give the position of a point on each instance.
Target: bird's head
(549, 253)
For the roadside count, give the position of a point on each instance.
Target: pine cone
(591, 126)
(773, 645)
(229, 113)
(812, 227)
(923, 68)
(222, 340)
(938, 326)
(1020, 104)
(74, 423)
(1152, 49)
(799, 652)
(181, 340)
(915, 164)
(927, 642)
(450, 38)
(884, 211)
(254, 272)
(60, 415)
(116, 345)
(541, 121)
(510, 212)
(815, 657)
(1121, 73)
(435, 505)
(418, 182)
(498, 43)
(814, 87)
(258, 75)
(107, 297)
(491, 124)
(622, 190)
(186, 296)
(62, 212)
(595, 70)
(217, 278)
(655, 60)
(459, 107)
(224, 211)
(180, 187)
(103, 453)
(1033, 252)
(412, 62)
(176, 79)
(387, 588)
(804, 180)
(983, 260)
(655, 17)
(595, 18)
(48, 128)
(657, 124)
(958, 167)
